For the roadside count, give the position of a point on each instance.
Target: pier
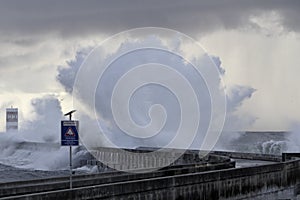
(213, 177)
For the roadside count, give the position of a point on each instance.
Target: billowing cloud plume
(146, 96)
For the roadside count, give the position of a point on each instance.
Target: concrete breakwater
(149, 158)
(278, 180)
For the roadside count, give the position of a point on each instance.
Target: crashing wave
(272, 147)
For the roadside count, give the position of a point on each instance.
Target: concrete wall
(27, 187)
(249, 156)
(149, 158)
(254, 182)
(272, 181)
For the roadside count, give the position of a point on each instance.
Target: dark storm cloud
(78, 17)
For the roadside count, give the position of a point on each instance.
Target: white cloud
(257, 42)
(269, 23)
(270, 64)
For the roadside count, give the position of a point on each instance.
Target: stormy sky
(257, 42)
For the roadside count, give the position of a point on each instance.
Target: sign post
(69, 137)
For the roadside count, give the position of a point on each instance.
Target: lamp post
(71, 170)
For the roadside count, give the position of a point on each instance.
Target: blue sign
(69, 133)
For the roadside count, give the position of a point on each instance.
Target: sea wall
(273, 181)
(126, 159)
(266, 182)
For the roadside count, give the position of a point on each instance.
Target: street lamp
(71, 170)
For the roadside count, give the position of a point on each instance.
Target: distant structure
(11, 119)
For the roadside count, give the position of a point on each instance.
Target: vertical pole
(70, 159)
(70, 167)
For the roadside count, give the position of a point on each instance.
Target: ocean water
(10, 173)
(24, 160)
(259, 142)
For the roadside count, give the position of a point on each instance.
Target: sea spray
(149, 95)
(36, 144)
